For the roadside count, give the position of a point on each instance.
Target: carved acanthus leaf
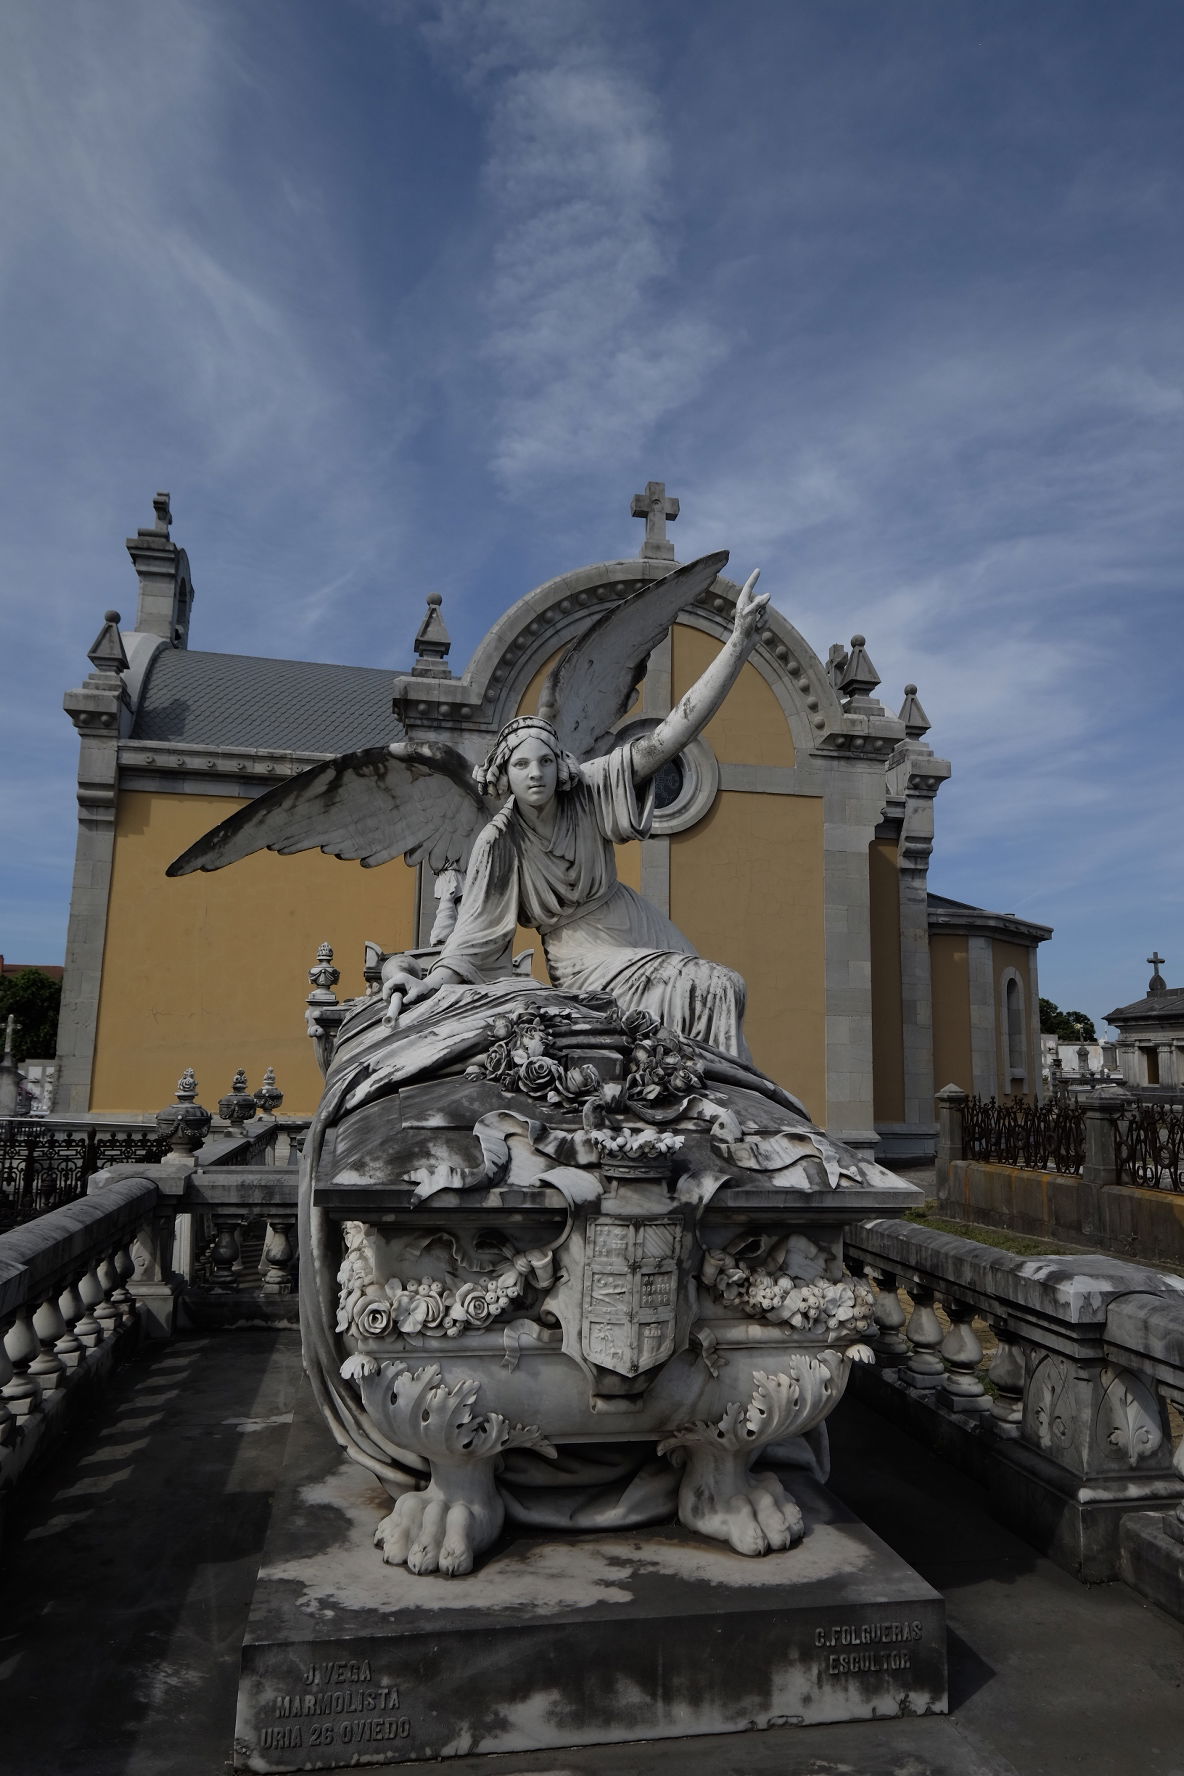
(1128, 1417)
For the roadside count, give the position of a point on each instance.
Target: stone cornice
(188, 769)
(977, 922)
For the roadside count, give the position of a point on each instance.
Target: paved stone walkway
(129, 1569)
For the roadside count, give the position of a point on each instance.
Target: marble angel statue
(568, 1258)
(533, 827)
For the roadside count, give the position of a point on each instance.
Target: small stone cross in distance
(1156, 960)
(655, 508)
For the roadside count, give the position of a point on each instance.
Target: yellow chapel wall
(949, 961)
(210, 971)
(747, 882)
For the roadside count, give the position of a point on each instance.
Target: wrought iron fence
(44, 1165)
(1149, 1146)
(1044, 1137)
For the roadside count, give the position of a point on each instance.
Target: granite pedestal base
(563, 1641)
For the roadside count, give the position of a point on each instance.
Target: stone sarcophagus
(574, 1271)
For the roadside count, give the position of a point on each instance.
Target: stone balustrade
(66, 1308)
(1066, 1422)
(85, 1281)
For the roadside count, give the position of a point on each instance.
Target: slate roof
(236, 700)
(982, 919)
(1155, 1008)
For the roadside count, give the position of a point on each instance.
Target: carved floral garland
(432, 1307)
(845, 1306)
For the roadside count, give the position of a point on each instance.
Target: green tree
(1066, 1026)
(33, 999)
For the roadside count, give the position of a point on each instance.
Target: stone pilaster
(852, 810)
(916, 985)
(984, 1025)
(96, 709)
(913, 775)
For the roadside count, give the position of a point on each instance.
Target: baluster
(124, 1266)
(8, 1424)
(49, 1326)
(185, 1254)
(23, 1392)
(278, 1258)
(69, 1346)
(1006, 1376)
(892, 1347)
(963, 1389)
(209, 1247)
(227, 1253)
(106, 1312)
(89, 1328)
(924, 1369)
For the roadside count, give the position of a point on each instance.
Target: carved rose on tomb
(661, 1065)
(436, 1307)
(474, 1306)
(373, 1317)
(521, 1058)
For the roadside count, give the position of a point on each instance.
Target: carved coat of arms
(631, 1293)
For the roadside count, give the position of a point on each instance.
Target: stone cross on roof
(1156, 984)
(655, 508)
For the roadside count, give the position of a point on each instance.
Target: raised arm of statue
(693, 711)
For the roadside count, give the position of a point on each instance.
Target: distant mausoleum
(791, 842)
(1151, 1033)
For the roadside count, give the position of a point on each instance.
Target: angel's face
(532, 773)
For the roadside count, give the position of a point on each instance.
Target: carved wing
(415, 800)
(591, 687)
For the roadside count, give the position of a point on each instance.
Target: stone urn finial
(323, 977)
(238, 1106)
(269, 1097)
(185, 1124)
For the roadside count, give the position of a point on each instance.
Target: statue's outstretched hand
(749, 619)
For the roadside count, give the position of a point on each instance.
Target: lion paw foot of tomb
(441, 1531)
(752, 1513)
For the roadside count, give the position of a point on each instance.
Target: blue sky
(397, 298)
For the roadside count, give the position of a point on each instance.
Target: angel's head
(527, 761)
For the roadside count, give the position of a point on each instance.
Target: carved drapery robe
(598, 935)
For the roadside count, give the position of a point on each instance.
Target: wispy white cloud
(591, 338)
